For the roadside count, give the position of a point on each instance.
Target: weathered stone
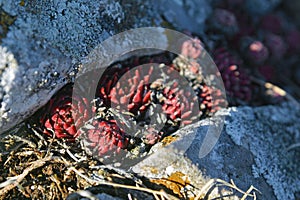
(252, 150)
(260, 7)
(185, 14)
(88, 195)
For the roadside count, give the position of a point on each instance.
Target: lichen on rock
(185, 14)
(268, 132)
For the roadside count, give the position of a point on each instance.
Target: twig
(25, 153)
(17, 138)
(293, 146)
(7, 160)
(41, 138)
(161, 193)
(67, 148)
(13, 182)
(64, 161)
(91, 181)
(129, 196)
(208, 185)
(232, 185)
(49, 146)
(247, 193)
(119, 171)
(57, 182)
(275, 89)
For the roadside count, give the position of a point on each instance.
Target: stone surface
(252, 150)
(260, 7)
(292, 8)
(44, 41)
(267, 132)
(185, 15)
(88, 195)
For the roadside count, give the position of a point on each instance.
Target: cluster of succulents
(138, 102)
(260, 33)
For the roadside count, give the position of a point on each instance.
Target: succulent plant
(236, 81)
(267, 71)
(103, 138)
(276, 45)
(272, 23)
(292, 38)
(192, 48)
(254, 51)
(223, 21)
(209, 98)
(64, 114)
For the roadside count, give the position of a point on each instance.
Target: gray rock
(252, 150)
(86, 195)
(267, 132)
(260, 7)
(185, 14)
(292, 8)
(28, 77)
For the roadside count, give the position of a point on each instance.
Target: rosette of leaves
(64, 114)
(237, 83)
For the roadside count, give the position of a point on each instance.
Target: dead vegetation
(36, 167)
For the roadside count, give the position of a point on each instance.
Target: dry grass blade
(233, 186)
(247, 193)
(293, 146)
(275, 89)
(19, 139)
(213, 182)
(208, 185)
(155, 193)
(15, 181)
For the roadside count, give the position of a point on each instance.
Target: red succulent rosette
(209, 98)
(273, 23)
(179, 104)
(254, 51)
(137, 91)
(276, 46)
(64, 114)
(133, 91)
(237, 83)
(292, 38)
(103, 138)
